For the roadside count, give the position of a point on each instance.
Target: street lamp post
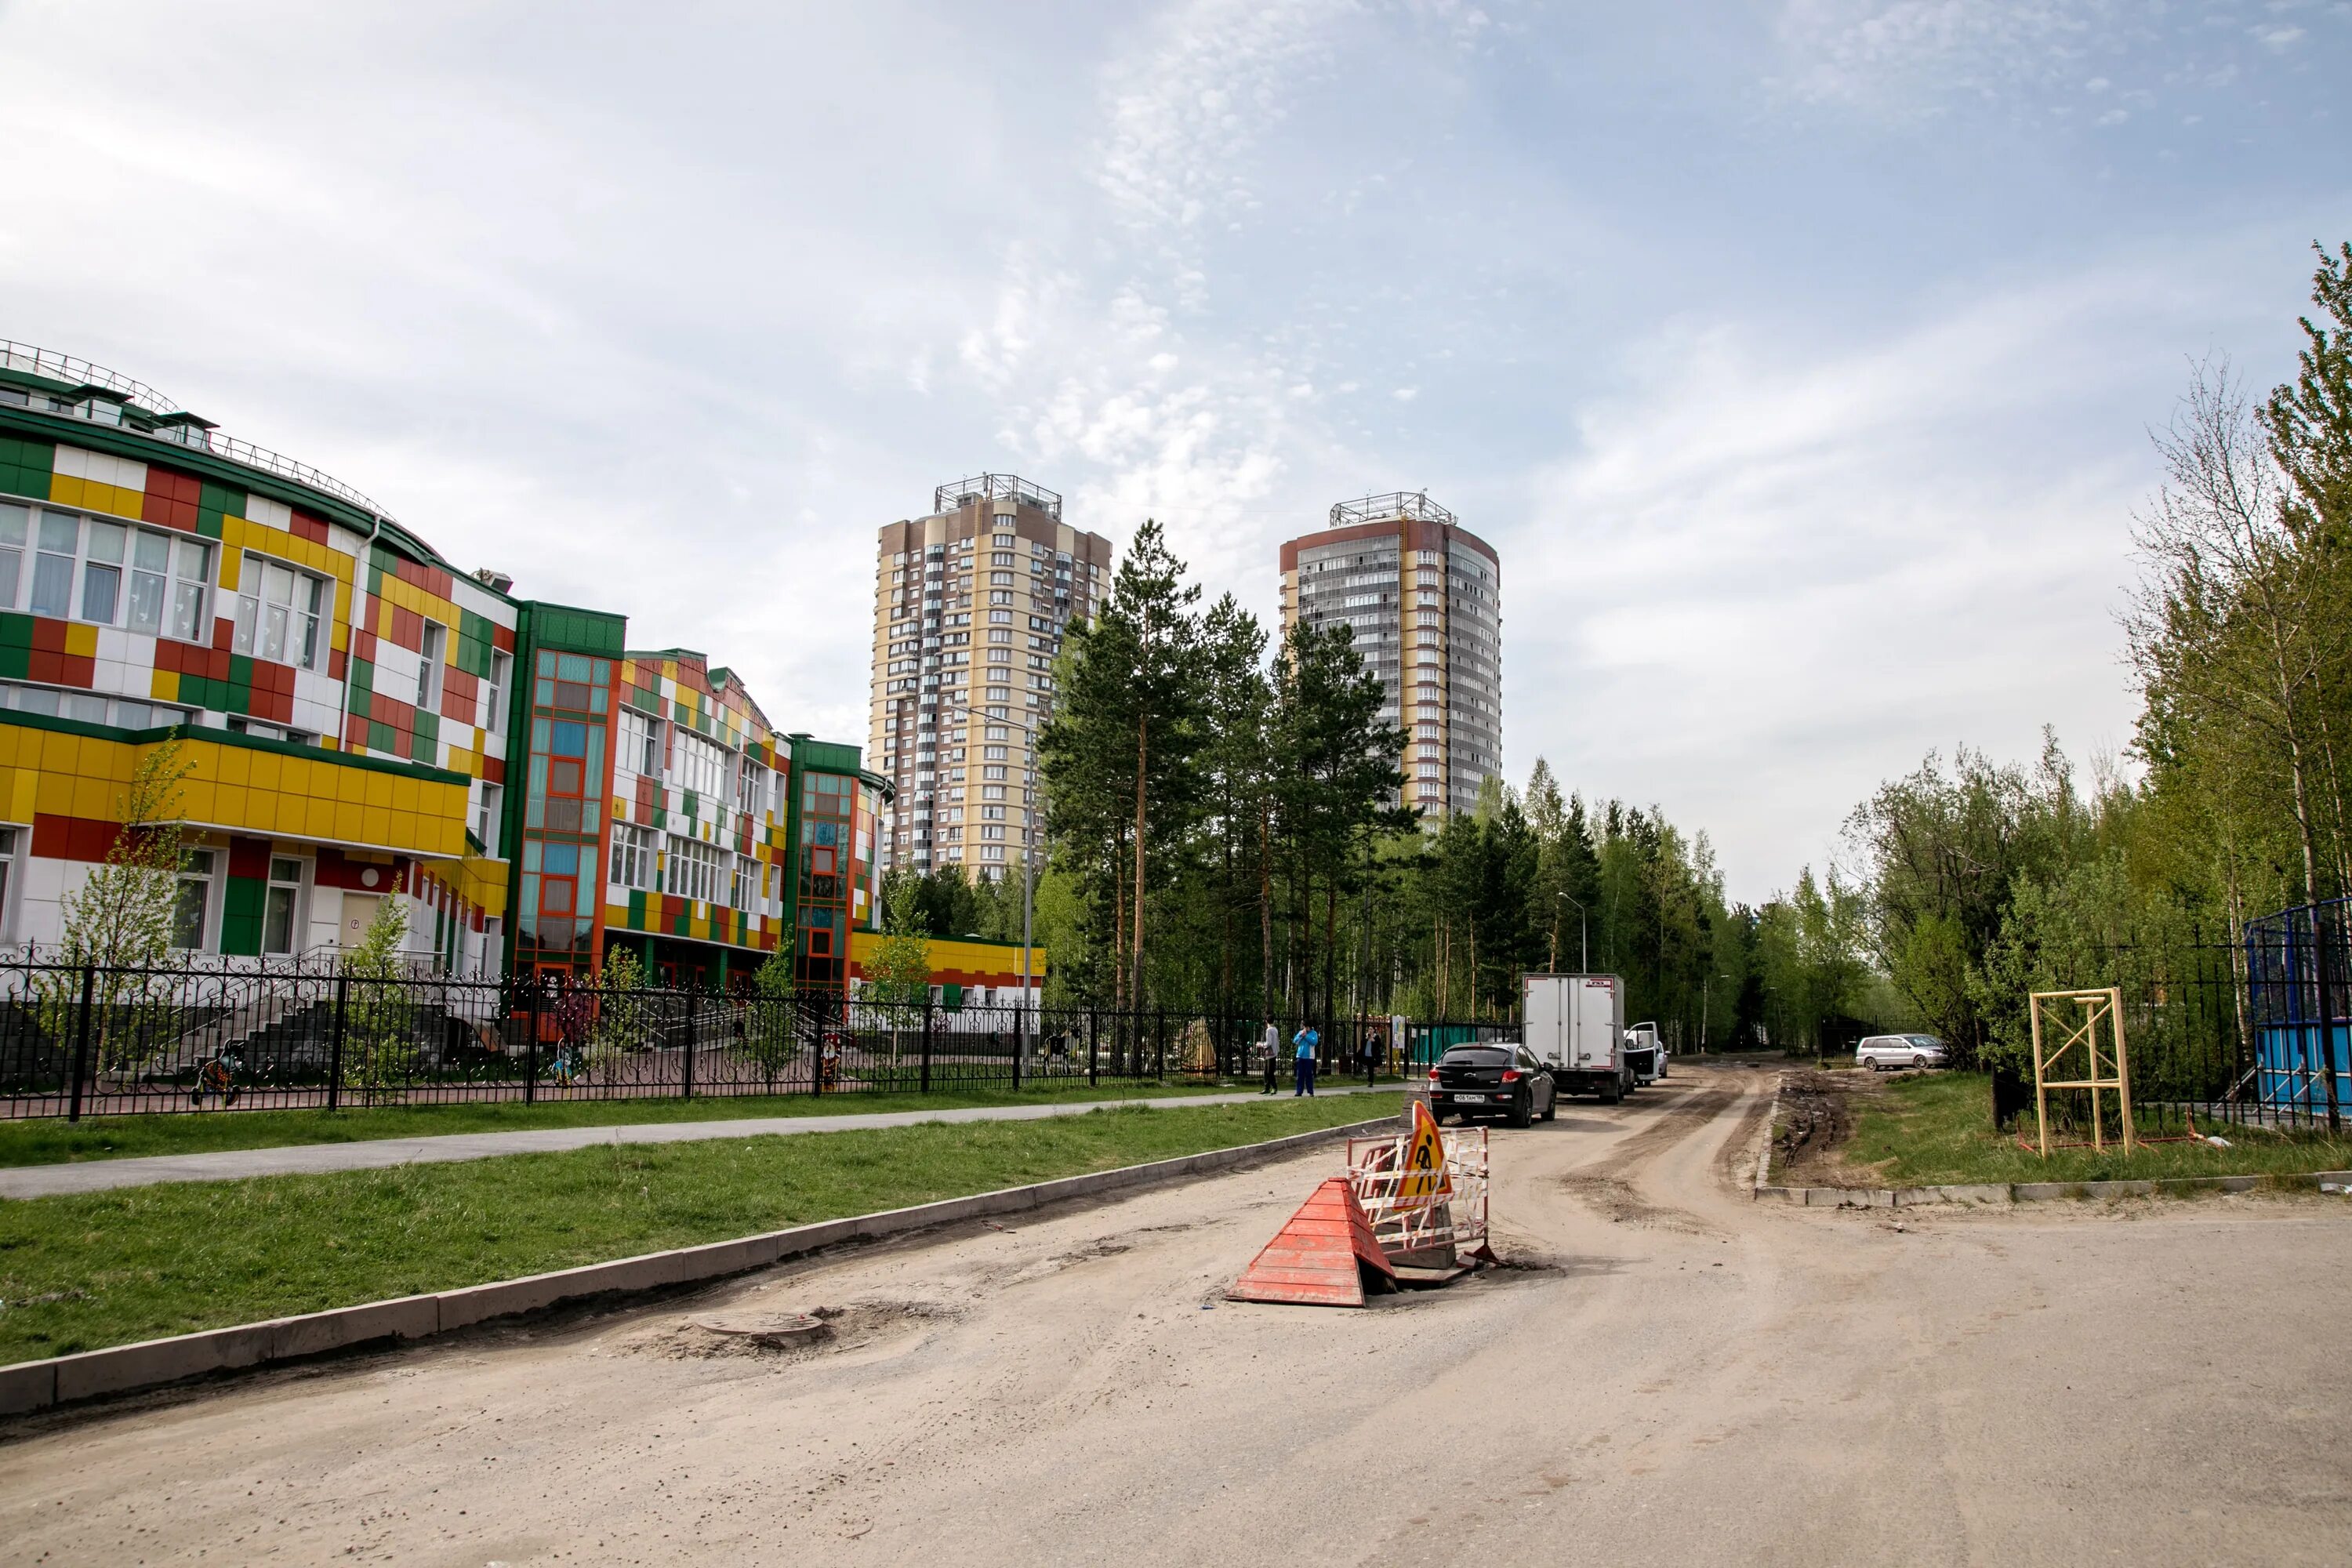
(1706, 994)
(1583, 933)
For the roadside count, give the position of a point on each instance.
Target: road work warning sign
(1425, 1179)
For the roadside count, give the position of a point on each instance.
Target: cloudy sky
(1797, 358)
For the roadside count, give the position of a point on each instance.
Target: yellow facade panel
(267, 772)
(349, 820)
(197, 801)
(164, 686)
(318, 819)
(403, 795)
(81, 640)
(228, 805)
(230, 558)
(378, 791)
(235, 766)
(92, 799)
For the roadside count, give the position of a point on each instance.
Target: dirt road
(1675, 1376)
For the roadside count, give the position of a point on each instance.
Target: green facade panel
(26, 467)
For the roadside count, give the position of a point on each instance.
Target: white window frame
(292, 886)
(691, 870)
(494, 715)
(433, 644)
(634, 853)
(487, 816)
(292, 624)
(198, 867)
(185, 573)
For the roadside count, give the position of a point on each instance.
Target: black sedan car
(1494, 1078)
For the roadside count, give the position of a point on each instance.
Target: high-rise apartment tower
(1425, 596)
(970, 604)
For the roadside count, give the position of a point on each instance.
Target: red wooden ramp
(1323, 1257)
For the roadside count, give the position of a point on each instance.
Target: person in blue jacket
(1305, 1042)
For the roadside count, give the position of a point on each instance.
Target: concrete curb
(1772, 1123)
(2047, 1192)
(2023, 1191)
(121, 1369)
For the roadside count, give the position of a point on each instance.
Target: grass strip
(1935, 1130)
(54, 1142)
(93, 1270)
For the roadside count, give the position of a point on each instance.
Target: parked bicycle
(218, 1076)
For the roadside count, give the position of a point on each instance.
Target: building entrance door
(359, 913)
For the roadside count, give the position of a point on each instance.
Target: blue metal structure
(2299, 993)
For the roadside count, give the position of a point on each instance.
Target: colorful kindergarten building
(359, 721)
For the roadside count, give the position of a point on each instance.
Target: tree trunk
(1143, 759)
(1265, 907)
(1330, 946)
(1118, 930)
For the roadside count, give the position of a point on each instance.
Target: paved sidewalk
(302, 1159)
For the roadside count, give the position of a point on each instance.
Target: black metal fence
(83, 1041)
(2252, 1032)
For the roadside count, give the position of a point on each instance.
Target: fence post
(926, 1041)
(335, 1045)
(1094, 1058)
(81, 1042)
(1019, 1018)
(530, 1043)
(693, 1038)
(2326, 1020)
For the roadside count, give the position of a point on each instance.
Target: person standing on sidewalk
(1305, 1042)
(1273, 1054)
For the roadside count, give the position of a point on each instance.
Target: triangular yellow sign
(1425, 1178)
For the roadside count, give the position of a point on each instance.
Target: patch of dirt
(1818, 1111)
(1616, 1198)
(782, 1337)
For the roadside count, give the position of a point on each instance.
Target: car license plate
(1471, 1099)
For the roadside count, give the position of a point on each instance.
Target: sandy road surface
(1684, 1377)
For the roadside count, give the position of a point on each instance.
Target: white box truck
(1575, 1027)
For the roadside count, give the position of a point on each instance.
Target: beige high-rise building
(1425, 596)
(970, 604)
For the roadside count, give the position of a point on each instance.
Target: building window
(192, 904)
(494, 715)
(101, 580)
(486, 819)
(53, 567)
(277, 612)
(428, 666)
(641, 743)
(700, 766)
(277, 910)
(113, 549)
(740, 885)
(751, 786)
(632, 856)
(691, 870)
